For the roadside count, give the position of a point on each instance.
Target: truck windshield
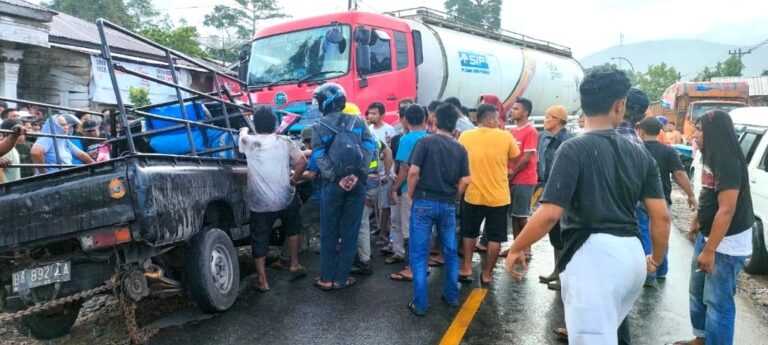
(701, 108)
(295, 55)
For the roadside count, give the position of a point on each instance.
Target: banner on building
(101, 84)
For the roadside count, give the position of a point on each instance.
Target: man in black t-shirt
(595, 183)
(438, 176)
(669, 163)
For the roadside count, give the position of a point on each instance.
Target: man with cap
(554, 134)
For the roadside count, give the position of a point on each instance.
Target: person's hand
(369, 203)
(514, 258)
(706, 261)
(19, 130)
(393, 197)
(693, 231)
(510, 174)
(692, 202)
(4, 162)
(650, 265)
(293, 181)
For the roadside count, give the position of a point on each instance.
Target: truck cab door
(385, 77)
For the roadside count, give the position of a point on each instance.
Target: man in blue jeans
(437, 177)
(343, 193)
(722, 228)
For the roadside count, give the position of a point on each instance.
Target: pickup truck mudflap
(58, 204)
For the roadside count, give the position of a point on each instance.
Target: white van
(751, 126)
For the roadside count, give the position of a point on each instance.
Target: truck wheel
(52, 324)
(758, 262)
(213, 273)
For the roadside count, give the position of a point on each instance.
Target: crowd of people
(34, 151)
(444, 186)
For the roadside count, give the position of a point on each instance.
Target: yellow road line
(464, 318)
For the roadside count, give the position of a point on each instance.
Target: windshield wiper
(312, 75)
(278, 82)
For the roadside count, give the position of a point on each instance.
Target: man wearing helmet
(343, 148)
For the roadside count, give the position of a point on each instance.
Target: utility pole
(352, 5)
(739, 53)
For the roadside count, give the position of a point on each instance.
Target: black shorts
(262, 223)
(472, 217)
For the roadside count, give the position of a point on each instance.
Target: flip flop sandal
(481, 249)
(484, 282)
(350, 283)
(503, 254)
(393, 259)
(262, 290)
(435, 263)
(399, 277)
(298, 273)
(322, 287)
(466, 279)
(561, 334)
(415, 311)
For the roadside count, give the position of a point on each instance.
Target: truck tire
(50, 325)
(758, 262)
(212, 273)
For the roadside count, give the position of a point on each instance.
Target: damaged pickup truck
(160, 216)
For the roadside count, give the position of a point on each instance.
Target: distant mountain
(689, 57)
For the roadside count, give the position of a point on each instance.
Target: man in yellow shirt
(490, 149)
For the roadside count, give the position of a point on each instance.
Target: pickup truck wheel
(758, 262)
(52, 324)
(213, 275)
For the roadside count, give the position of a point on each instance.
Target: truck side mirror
(363, 58)
(363, 35)
(244, 57)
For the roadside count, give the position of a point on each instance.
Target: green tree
(182, 39)
(656, 79)
(113, 10)
(485, 12)
(765, 73)
(608, 65)
(232, 32)
(731, 67)
(257, 10)
(139, 96)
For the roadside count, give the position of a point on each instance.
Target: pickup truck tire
(758, 262)
(213, 273)
(50, 325)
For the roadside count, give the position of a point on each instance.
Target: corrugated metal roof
(65, 28)
(758, 86)
(22, 3)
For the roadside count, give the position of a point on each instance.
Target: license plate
(40, 276)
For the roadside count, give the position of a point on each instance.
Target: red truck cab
(372, 56)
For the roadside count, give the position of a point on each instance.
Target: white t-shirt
(736, 245)
(270, 158)
(385, 132)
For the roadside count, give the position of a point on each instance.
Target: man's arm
(389, 161)
(324, 164)
(402, 176)
(542, 221)
(413, 179)
(659, 222)
(84, 157)
(37, 154)
(726, 201)
(299, 166)
(522, 162)
(7, 143)
(369, 146)
(681, 179)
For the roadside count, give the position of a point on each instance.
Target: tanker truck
(420, 53)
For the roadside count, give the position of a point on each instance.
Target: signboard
(474, 63)
(101, 85)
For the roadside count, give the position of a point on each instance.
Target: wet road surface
(374, 311)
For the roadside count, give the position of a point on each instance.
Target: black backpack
(345, 149)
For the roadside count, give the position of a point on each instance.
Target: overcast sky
(587, 26)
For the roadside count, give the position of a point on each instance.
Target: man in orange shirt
(487, 198)
(523, 176)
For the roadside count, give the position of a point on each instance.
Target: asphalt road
(374, 311)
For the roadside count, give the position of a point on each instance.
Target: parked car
(751, 126)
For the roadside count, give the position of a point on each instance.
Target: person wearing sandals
(271, 191)
(722, 230)
(434, 186)
(490, 149)
(595, 182)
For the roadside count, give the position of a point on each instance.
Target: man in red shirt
(522, 171)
